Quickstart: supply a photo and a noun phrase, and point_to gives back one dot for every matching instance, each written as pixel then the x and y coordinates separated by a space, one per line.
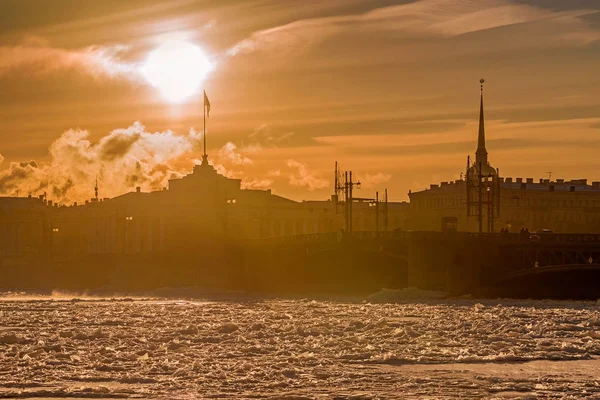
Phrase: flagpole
pixel 204 125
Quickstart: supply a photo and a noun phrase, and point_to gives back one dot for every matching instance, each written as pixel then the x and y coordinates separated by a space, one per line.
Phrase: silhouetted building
pixel 203 207
pixel 24 228
pixel 557 205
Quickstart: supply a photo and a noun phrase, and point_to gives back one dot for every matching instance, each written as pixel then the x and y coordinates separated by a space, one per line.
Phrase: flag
pixel 206 104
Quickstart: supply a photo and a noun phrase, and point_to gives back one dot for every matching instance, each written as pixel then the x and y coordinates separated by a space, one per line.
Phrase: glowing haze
pixel 177 69
pixel 388 88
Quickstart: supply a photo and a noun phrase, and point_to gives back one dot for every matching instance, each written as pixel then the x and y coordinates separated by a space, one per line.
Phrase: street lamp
pixel 128 218
pixel 226 215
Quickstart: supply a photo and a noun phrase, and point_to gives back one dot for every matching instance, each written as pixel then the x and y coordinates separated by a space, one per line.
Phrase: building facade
pixel 201 208
pixel 565 206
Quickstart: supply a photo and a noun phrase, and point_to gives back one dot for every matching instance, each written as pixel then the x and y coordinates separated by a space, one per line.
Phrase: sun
pixel 176 69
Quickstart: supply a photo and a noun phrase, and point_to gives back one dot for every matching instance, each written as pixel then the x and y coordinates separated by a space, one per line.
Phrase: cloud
pixel 229 152
pixel 303 177
pixel 257 184
pixel 265 136
pixel 373 180
pixel 423 18
pixel 122 160
pixel 37 58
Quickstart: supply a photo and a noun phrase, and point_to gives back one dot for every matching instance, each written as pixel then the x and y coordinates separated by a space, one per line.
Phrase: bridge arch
pixel 571 281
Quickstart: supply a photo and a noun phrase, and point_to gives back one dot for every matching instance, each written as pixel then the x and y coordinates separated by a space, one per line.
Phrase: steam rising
pixel 122 160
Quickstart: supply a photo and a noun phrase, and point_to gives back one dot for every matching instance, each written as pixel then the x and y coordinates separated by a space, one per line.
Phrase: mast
pixel 206 109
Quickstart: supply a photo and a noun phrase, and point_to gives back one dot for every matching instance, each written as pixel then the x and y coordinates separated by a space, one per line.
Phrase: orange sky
pixel 387 88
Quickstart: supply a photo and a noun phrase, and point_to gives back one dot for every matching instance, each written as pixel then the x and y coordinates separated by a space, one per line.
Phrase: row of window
pixel 554 202
pixel 450 202
pixel 557 217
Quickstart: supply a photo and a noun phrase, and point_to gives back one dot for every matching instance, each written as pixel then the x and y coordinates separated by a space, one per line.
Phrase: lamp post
pixel 53 233
pixel 229 202
pixel 375 203
pixel 128 219
pixel 351 185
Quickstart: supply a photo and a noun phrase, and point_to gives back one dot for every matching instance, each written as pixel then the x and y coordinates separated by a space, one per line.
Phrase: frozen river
pixel 245 347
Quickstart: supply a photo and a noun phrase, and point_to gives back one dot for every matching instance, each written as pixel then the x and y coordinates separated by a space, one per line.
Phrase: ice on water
pixel 419 346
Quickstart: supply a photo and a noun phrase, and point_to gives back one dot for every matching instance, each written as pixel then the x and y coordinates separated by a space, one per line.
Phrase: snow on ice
pixel 421 346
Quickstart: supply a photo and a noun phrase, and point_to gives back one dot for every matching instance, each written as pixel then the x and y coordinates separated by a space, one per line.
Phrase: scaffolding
pixel 483 196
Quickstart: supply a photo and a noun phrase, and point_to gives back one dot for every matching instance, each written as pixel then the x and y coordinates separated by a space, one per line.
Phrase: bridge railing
pixel 526 237
pixel 330 237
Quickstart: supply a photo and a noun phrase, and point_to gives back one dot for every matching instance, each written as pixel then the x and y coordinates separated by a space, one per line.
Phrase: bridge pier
pixel 451 262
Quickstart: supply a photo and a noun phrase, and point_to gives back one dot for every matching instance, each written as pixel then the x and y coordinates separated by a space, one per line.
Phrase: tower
pixel 482 182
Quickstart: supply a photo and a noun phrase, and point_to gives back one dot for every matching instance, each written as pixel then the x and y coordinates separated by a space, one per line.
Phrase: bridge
pixel 511 264
pixel 329 262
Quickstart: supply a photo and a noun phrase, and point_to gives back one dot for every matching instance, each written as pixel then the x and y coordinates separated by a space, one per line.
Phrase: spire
pixel 481 153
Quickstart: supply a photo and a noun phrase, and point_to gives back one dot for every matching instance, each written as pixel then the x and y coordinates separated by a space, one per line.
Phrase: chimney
pixel 50 203
pixel 560 181
pixel 519 180
pixel 443 183
pixel 529 180
pixel 432 186
pixel 596 185
pixel 508 180
pixel 138 189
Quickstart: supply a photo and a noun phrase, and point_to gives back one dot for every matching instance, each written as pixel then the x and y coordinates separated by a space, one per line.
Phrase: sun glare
pixel 176 69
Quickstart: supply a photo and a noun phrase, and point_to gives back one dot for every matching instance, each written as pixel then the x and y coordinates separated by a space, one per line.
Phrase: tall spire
pixel 481 153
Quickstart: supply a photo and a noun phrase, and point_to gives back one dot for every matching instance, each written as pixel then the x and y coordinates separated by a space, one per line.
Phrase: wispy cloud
pixel 374 180
pixel 229 153
pixel 265 135
pixel 427 18
pixel 37 58
pixel 302 176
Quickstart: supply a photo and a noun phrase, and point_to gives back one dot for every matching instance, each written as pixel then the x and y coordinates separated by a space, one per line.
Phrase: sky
pixel 389 89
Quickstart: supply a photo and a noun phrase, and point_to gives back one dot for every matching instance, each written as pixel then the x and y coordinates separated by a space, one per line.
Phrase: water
pixel 243 347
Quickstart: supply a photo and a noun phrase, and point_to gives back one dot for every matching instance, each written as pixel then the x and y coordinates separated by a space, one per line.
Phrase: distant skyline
pixel 389 89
